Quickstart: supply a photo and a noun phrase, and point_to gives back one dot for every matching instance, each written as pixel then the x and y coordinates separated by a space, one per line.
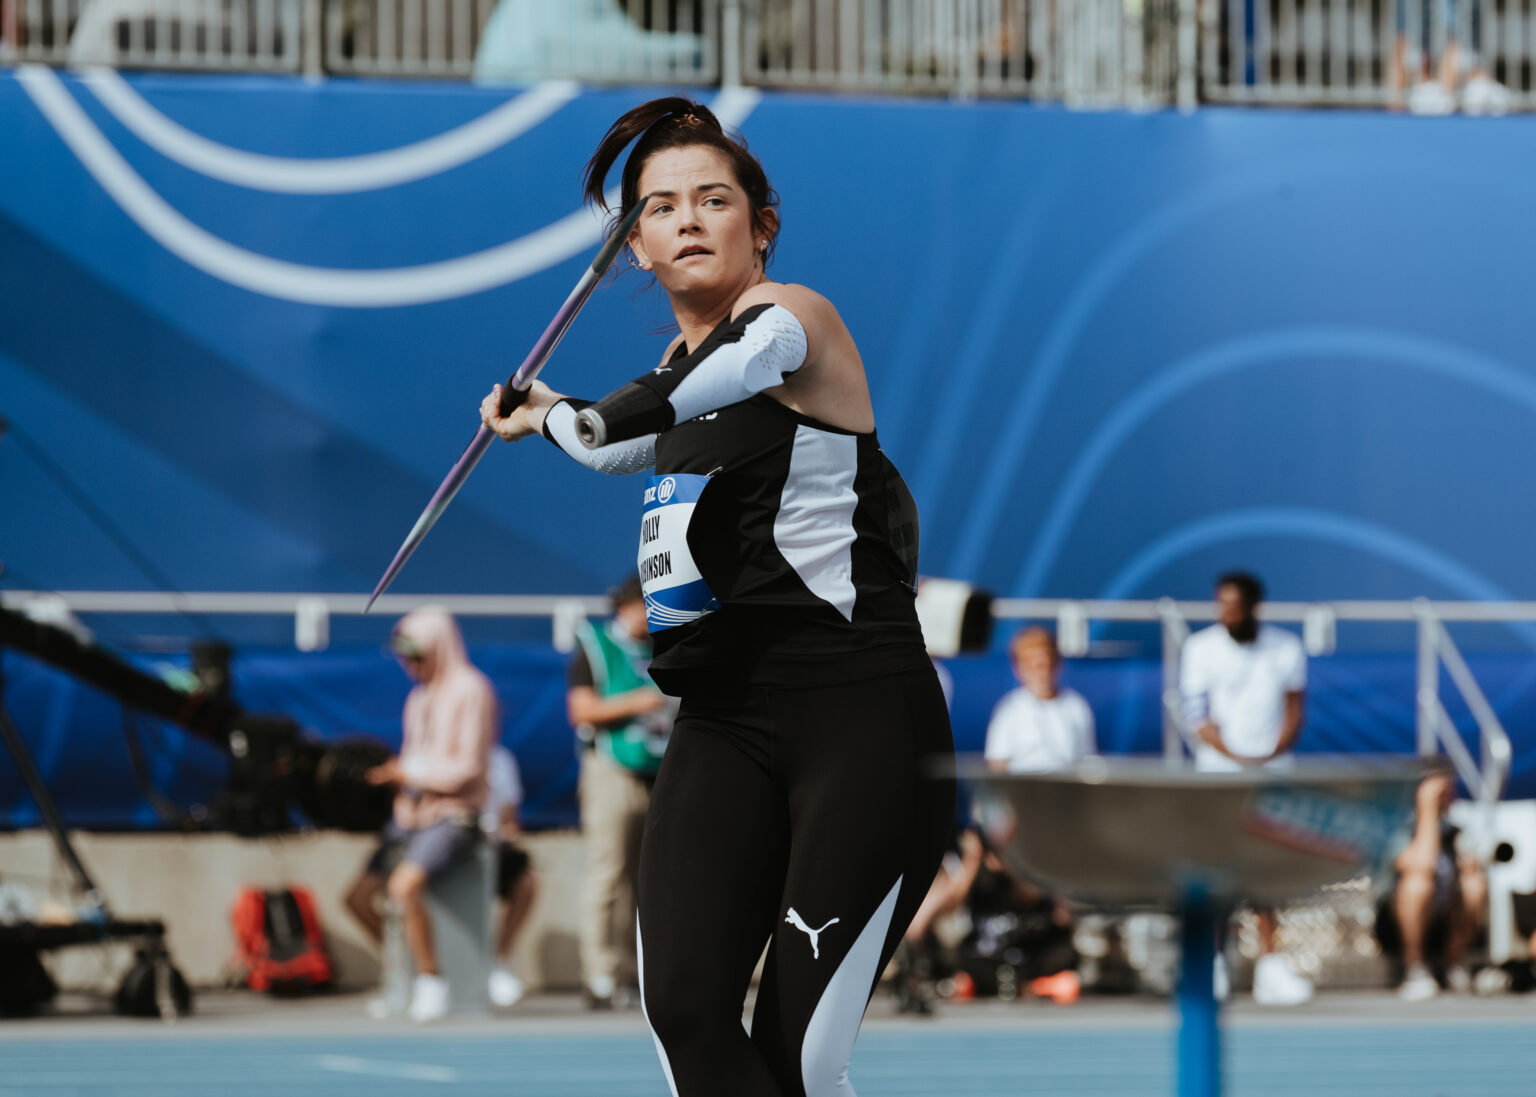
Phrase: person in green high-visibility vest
pixel 623 721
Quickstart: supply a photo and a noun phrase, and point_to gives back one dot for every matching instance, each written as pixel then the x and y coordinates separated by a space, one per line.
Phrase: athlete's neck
pixel 699 312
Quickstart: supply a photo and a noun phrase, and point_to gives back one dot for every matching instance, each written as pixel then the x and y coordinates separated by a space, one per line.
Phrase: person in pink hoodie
pixel 440 774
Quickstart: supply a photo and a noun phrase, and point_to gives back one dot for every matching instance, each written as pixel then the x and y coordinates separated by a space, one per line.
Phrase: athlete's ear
pixel 638 256
pixel 768 225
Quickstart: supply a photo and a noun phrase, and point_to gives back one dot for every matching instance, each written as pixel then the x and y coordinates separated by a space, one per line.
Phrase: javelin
pixel 513 394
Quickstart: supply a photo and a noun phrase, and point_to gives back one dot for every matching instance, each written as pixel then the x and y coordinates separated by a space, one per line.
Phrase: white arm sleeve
pixel 754 353
pixel 618 459
pixel 772 344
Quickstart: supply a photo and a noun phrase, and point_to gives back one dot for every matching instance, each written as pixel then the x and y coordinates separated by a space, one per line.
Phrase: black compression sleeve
pixel 627 412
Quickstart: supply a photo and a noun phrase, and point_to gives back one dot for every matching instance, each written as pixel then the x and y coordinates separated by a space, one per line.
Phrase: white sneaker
pixel 1430 97
pixel 1458 980
pixel 1221 979
pixel 1418 985
pixel 1275 983
pixel 1491 980
pixel 429 999
pixel 505 989
pixel 1485 95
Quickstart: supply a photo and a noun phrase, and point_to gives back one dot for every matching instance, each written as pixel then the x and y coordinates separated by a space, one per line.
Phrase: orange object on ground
pixel 1063 988
pixel 965 987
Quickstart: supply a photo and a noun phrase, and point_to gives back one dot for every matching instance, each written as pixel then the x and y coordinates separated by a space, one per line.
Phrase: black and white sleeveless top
pixel 775 549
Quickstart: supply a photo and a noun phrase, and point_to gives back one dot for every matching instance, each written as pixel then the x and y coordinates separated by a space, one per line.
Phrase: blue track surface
pixel 1412 1060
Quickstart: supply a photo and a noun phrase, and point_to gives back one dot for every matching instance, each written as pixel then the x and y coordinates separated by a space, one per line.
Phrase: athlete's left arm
pixel 771 336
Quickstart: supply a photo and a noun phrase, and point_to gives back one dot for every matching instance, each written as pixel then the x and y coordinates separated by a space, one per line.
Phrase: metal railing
pixel 1436 732
pixel 1084 52
pixel 237 35
pixel 1081 52
pixel 1365 52
pixel 597 41
pixel 1484 776
pixel 312 613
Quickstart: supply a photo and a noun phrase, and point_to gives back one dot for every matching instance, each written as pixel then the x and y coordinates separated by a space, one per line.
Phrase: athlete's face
pixel 696 233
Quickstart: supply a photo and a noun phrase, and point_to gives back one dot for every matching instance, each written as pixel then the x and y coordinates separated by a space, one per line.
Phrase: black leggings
pixel 806 815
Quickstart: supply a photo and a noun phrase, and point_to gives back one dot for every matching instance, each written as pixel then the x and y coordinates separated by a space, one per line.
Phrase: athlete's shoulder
pixel 808 306
pixel 666 355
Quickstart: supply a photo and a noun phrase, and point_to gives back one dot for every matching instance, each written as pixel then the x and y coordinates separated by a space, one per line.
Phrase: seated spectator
pixel 1019 938
pixel 1039 726
pixel 1434 88
pixel 515 882
pixel 526 39
pixel 450 723
pixel 1438 899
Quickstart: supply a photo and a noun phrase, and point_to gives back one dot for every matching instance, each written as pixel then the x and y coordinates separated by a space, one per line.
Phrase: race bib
pixel 675 592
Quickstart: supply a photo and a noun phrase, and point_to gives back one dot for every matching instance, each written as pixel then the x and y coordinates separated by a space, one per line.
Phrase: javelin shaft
pixel 513 394
pixel 515 391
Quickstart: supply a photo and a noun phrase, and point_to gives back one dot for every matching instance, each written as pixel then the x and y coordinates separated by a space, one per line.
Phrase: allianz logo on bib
pixel 661 491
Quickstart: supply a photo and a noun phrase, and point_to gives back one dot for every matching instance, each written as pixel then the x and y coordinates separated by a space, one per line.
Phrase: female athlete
pixel 778 546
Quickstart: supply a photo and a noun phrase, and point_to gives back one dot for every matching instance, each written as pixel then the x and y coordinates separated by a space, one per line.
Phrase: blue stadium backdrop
pixel 1114 353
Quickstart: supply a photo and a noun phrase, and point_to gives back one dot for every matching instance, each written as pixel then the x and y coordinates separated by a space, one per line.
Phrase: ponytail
pixel 670 123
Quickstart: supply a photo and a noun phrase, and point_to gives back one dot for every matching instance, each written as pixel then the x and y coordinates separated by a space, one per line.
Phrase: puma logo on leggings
pixel 795 920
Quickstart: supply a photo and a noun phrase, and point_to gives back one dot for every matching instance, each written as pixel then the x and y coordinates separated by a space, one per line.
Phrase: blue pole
pixel 1199 1012
pixel 1250 47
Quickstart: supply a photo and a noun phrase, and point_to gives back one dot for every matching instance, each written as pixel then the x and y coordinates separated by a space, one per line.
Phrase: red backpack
pixel 279 941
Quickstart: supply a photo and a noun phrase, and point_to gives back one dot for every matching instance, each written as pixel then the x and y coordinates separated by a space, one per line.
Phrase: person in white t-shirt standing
pixel 1039 726
pixel 1244 687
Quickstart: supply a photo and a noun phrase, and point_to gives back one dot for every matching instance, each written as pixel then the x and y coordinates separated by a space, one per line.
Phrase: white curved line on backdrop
pixel 311 285
pixel 339 175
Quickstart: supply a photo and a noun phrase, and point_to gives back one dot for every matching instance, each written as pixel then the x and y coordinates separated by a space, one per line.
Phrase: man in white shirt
pixel 1038 726
pixel 1244 687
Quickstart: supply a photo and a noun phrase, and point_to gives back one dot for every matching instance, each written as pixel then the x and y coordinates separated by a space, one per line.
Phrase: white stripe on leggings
pixel 828 1044
pixel 666 1066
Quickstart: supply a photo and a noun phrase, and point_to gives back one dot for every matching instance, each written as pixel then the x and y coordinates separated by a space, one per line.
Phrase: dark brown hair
pixel 674 123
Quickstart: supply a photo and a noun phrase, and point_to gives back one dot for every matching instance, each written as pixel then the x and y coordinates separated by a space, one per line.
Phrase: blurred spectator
pixel 529 38
pixel 1438 898
pixel 1244 688
pixel 1038 726
pixel 450 723
pixel 1435 93
pixel 515 881
pixel 1017 938
pixel 623 721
